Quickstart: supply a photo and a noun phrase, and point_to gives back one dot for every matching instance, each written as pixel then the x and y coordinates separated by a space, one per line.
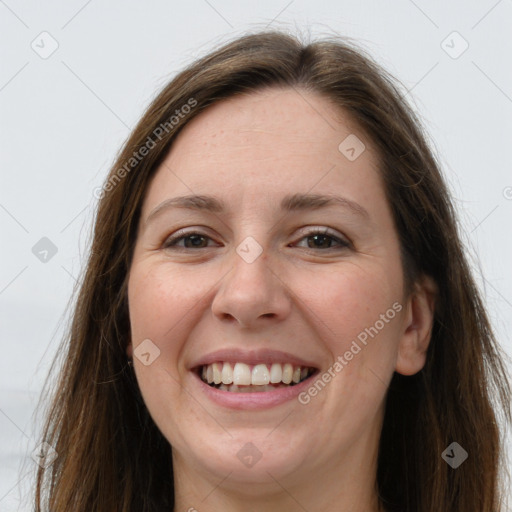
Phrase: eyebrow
pixel 290 203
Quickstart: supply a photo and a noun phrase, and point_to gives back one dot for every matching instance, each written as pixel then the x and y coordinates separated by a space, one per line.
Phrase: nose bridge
pixel 251 290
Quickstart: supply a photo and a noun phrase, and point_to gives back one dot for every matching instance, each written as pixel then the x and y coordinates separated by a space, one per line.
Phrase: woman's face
pixel 244 280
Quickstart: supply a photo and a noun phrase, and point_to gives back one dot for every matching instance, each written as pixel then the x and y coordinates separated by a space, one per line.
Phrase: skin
pixel 298 296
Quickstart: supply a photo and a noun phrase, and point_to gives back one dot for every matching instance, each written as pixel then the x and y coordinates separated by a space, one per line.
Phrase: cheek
pixel 357 311
pixel 159 301
pixel 357 316
pixel 350 300
pixel 162 307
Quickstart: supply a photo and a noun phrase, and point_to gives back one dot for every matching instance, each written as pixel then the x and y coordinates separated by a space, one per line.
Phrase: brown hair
pixel 111 455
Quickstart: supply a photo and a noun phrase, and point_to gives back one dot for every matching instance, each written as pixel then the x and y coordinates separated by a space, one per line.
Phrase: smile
pixel 244 378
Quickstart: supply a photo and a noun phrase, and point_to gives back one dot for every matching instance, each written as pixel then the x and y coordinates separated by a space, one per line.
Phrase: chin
pixel 252 458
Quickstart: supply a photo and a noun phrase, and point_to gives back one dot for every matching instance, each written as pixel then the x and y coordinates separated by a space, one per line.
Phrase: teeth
pixel 228 377
pixel 276 372
pixel 241 374
pixel 287 373
pixel 217 378
pixel 227 374
pixel 260 375
pixel 251 389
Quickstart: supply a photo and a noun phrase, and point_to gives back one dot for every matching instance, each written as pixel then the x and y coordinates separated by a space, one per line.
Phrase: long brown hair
pixel 111 455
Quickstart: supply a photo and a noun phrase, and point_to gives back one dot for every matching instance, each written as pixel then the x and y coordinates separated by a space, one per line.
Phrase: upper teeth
pixel 242 374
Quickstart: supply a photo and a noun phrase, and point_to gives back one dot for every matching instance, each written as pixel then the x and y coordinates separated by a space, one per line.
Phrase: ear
pixel 129 350
pixel 417 331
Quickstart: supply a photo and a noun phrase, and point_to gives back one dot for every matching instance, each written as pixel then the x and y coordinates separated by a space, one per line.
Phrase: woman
pixel 277 290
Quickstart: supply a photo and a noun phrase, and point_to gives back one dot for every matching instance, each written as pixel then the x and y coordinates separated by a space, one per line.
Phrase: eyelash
pixel 181 235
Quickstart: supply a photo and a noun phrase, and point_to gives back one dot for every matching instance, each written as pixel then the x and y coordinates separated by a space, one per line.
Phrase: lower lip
pixel 255 400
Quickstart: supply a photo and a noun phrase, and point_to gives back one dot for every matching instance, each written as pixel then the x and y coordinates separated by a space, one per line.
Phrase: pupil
pixel 322 238
pixel 195 240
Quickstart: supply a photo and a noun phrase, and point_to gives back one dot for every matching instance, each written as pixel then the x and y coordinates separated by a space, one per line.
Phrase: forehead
pixel 267 143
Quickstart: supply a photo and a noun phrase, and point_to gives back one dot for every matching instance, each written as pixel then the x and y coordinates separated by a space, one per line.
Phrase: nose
pixel 252 294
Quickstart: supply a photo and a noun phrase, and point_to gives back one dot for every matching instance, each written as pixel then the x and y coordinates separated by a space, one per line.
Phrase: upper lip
pixel 251 357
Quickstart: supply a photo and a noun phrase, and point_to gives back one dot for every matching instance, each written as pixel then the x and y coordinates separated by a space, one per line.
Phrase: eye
pixel 321 238
pixel 192 240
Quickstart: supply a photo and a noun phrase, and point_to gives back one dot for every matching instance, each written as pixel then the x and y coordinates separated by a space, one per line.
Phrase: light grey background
pixel 64 117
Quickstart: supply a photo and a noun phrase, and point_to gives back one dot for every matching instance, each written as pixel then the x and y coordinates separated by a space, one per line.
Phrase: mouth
pixel 238 377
